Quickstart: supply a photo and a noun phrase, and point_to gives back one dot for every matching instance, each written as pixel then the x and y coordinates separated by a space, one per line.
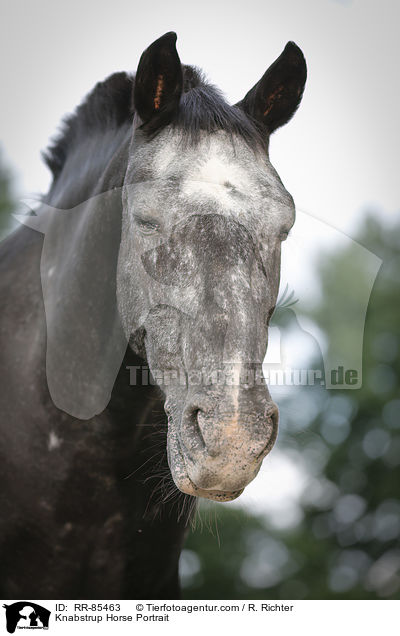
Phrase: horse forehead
pixel 214 157
pixel 221 169
pixel 217 160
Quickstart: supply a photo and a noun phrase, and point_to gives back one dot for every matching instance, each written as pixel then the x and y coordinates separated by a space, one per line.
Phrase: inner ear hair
pixel 159 92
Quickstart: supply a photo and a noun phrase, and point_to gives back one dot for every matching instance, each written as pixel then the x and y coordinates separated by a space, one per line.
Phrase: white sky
pixel 337 156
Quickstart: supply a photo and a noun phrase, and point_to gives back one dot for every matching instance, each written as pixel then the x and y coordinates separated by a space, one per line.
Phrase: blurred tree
pixel 346 545
pixel 7 202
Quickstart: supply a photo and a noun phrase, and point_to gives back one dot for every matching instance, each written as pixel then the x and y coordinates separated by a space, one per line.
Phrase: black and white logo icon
pixel 26 615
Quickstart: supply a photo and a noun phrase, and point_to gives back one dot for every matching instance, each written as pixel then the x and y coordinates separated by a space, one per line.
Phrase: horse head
pixel 204 215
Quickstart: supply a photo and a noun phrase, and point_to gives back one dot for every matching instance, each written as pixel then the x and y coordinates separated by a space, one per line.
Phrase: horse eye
pixel 147 227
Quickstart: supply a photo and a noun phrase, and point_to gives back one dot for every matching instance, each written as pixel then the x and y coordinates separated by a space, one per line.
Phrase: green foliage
pixel 6 199
pixel 346 543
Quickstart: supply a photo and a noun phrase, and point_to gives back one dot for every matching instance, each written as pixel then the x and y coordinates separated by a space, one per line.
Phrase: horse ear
pixel 158 82
pixel 276 97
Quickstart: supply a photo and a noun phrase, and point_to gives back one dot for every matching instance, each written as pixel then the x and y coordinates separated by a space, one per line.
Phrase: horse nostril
pixel 274 416
pixel 192 426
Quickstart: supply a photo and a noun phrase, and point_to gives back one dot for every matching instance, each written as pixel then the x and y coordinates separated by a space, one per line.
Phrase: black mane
pixel 109 106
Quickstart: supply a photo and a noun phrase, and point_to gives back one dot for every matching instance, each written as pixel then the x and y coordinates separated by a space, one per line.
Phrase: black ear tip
pixel 169 37
pixel 294 52
pixel 168 41
pixel 291 45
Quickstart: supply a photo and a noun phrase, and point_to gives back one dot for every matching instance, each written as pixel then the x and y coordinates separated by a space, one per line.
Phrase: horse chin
pixel 190 488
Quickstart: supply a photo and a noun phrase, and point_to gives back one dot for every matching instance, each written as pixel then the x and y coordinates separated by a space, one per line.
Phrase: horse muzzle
pixel 215 451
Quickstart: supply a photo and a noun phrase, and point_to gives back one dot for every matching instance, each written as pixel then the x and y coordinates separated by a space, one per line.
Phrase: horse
pixel 135 307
